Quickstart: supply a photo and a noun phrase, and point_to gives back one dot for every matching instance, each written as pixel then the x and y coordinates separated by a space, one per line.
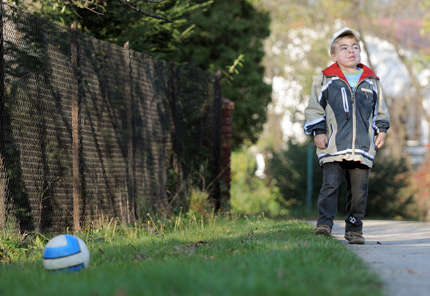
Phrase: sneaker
pixel 355 237
pixel 323 229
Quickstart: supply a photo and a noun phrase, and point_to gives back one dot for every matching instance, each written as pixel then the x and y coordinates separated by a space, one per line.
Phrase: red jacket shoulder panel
pixel 334 70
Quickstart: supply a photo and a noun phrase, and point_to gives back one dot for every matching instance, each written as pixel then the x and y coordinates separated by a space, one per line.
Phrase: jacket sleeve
pixel 315 120
pixel 381 117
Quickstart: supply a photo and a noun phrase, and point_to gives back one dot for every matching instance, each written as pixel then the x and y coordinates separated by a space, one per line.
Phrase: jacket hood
pixel 334 70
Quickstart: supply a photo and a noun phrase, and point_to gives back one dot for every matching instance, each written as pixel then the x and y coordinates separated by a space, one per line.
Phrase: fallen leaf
pixel 101 250
pixel 208 258
pixel 410 271
pixel 189 250
pixel 140 256
pixel 197 244
pixel 120 292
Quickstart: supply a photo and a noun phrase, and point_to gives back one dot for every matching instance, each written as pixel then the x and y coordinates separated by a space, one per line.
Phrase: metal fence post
pixel 3 179
pixel 226 148
pixel 75 132
pixel 217 140
pixel 310 174
pixel 131 208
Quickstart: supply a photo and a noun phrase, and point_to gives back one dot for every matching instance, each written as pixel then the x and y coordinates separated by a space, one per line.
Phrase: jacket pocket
pixel 373 138
pixel 345 102
pixel 367 91
pixel 330 136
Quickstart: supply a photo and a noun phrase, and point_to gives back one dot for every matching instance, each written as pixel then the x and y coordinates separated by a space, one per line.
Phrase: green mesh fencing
pixel 93 130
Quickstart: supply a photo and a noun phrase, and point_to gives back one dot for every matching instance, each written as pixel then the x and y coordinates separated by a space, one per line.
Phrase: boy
pixel 348 118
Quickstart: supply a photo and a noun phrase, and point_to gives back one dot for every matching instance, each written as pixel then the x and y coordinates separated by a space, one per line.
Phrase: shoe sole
pixel 323 232
pixel 355 241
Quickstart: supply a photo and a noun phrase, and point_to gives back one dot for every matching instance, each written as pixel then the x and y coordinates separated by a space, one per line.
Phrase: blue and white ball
pixel 66 252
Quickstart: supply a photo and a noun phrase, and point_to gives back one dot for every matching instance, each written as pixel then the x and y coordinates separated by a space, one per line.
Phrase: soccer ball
pixel 66 252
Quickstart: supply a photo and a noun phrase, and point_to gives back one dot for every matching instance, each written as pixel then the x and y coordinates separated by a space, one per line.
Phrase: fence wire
pixel 90 129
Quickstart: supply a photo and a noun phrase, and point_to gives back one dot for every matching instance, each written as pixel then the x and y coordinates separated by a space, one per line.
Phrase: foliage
pixel 233 32
pixel 200 203
pixel 183 256
pixel 421 184
pixel 389 188
pixel 425 31
pixel 250 194
pixel 289 169
pixel 212 35
pixel 390 194
pixel 119 24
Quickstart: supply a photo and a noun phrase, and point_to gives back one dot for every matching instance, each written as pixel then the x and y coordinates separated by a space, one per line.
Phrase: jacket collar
pixel 334 70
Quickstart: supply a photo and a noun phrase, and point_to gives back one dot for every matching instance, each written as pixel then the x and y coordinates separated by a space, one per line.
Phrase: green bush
pixel 389 185
pixel 250 194
pixel 289 169
pixel 389 188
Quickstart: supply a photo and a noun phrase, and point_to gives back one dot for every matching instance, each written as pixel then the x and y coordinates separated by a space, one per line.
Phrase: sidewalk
pixel 396 250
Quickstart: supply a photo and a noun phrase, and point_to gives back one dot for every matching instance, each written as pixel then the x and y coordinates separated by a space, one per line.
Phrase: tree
pixel 426 26
pixel 222 34
pixel 210 35
pixel 118 23
pixel 99 6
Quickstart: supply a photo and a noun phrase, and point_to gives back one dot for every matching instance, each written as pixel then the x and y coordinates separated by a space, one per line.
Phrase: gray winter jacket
pixel 350 119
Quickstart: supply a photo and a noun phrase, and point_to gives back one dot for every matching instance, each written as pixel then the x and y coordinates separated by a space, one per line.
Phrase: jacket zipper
pixel 345 102
pixel 354 119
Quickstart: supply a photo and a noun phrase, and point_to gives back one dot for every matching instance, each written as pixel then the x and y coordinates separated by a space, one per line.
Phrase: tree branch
pixel 131 6
pixel 80 5
pixel 150 1
pixel 97 7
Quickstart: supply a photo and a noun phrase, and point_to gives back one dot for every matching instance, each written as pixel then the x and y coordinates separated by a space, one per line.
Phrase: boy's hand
pixel 321 141
pixel 380 140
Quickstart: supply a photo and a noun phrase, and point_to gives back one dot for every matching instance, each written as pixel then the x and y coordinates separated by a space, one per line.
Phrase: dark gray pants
pixel 357 178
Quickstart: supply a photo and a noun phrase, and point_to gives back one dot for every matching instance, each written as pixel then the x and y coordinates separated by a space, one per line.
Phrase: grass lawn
pixel 190 256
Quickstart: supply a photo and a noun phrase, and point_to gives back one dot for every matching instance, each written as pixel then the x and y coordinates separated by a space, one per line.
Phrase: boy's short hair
pixel 342 33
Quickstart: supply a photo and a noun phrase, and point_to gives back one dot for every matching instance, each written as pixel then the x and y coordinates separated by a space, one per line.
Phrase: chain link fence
pixel 90 129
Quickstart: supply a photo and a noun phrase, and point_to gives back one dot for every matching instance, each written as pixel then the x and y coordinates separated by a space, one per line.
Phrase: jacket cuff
pixel 318 132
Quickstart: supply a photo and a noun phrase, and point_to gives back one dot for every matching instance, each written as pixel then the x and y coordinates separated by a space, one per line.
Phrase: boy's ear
pixel 333 57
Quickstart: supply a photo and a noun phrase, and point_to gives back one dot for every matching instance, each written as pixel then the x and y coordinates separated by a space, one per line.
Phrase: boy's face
pixel 346 53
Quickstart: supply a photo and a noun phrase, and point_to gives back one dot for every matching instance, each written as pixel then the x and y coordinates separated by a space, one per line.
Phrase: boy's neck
pixel 350 70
